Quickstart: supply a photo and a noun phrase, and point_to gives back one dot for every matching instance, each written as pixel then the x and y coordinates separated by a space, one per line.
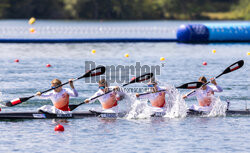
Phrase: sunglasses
pixel 101 87
pixel 54 87
pixel 151 85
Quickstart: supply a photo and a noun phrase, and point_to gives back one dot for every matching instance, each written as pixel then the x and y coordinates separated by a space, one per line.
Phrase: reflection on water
pixel 60 121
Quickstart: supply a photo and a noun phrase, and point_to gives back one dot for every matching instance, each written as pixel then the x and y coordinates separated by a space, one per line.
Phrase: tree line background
pixel 126 9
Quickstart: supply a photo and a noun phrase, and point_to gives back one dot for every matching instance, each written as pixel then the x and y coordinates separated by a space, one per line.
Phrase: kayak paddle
pixel 94 72
pixel 138 79
pixel 231 68
pixel 190 85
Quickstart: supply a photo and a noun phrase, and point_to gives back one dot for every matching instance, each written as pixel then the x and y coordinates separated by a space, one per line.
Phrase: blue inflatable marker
pixel 203 33
pixel 193 33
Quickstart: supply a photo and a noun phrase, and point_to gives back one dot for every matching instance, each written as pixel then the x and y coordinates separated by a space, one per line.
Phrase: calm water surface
pixel 183 64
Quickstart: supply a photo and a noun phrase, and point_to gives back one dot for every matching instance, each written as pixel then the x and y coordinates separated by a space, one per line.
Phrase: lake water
pixel 170 134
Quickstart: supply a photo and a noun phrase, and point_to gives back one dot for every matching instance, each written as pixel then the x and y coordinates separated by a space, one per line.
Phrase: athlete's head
pixel 202 79
pixel 102 84
pixel 55 83
pixel 152 83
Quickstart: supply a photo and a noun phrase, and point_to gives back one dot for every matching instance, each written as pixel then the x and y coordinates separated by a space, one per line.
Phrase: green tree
pixel 123 9
pixel 37 8
pixel 4 4
pixel 242 9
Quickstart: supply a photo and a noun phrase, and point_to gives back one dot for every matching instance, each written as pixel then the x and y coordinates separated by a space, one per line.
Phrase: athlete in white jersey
pixel 109 100
pixel 157 98
pixel 59 97
pixel 204 95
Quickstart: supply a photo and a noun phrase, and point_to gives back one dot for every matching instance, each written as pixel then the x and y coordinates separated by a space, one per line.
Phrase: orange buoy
pixel 59 127
pixel 204 63
pixel 48 65
pixel 32 30
pixel 16 60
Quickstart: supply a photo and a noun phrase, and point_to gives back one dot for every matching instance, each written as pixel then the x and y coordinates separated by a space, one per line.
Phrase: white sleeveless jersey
pixel 60 99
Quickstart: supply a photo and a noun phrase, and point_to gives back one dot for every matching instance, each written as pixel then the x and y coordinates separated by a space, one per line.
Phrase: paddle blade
pixel 191 85
pixel 72 107
pixel 94 72
pixel 234 67
pixel 151 92
pixel 141 78
pixel 17 101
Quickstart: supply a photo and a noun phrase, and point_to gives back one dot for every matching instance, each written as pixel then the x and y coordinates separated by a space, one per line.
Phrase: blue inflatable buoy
pixel 192 33
pixel 199 33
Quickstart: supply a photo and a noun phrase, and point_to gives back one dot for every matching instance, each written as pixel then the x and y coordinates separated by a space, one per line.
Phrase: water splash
pixel 125 104
pixel 218 107
pixel 175 106
pixel 138 109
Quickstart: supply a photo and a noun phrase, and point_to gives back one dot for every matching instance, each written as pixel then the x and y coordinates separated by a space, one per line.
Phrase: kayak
pixel 202 113
pixel 90 113
pixel 228 112
pixel 44 115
